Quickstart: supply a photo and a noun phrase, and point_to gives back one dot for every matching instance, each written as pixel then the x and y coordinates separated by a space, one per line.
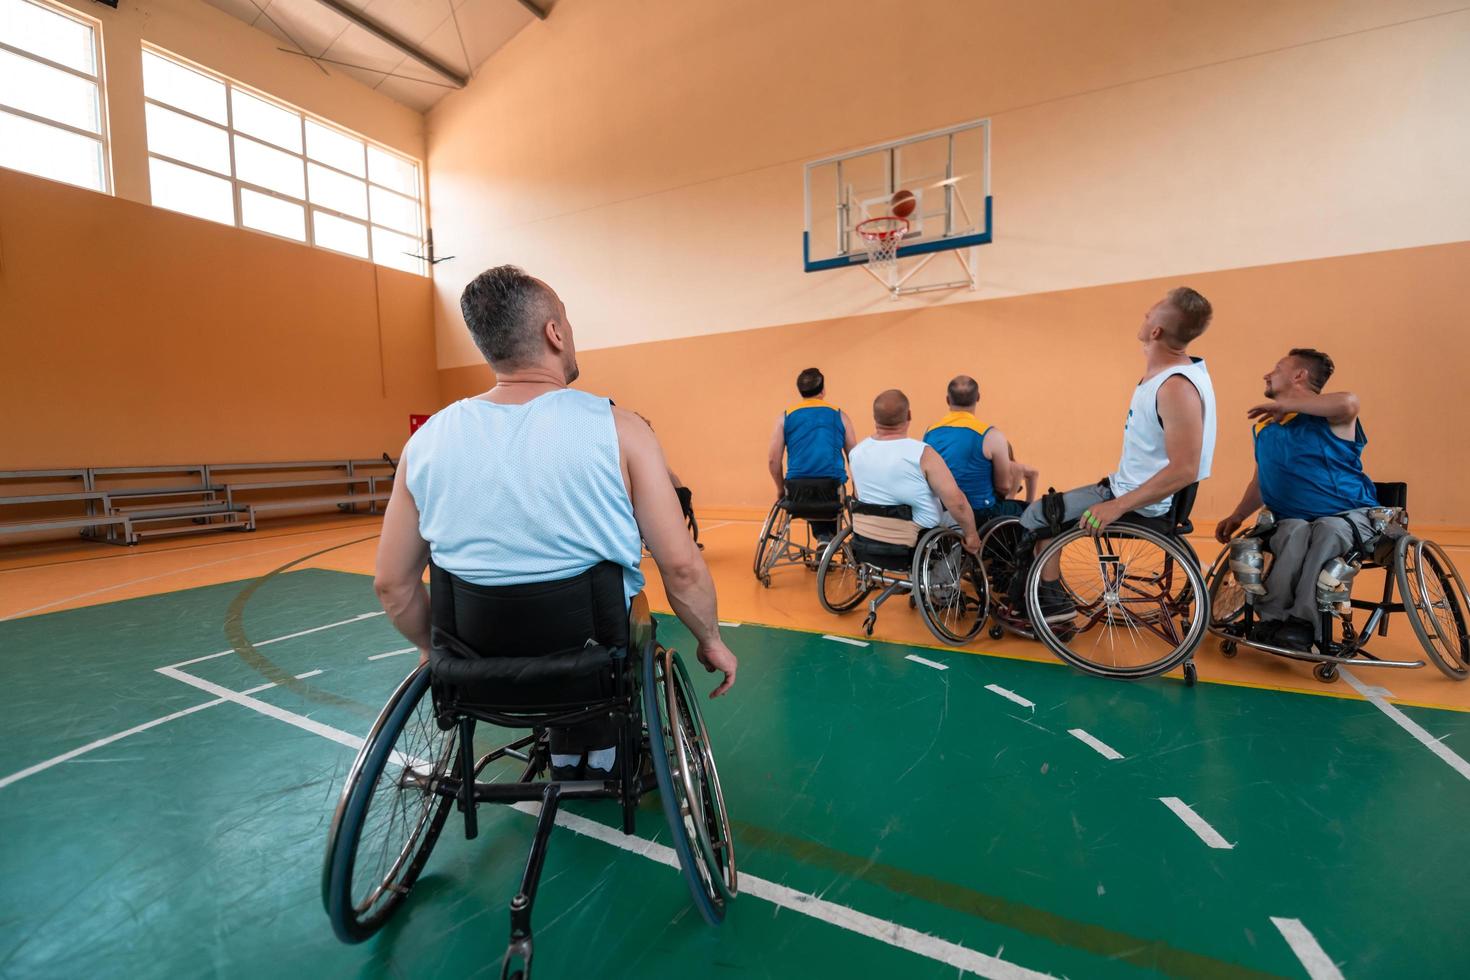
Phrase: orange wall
pixel 130 334
pixel 1055 371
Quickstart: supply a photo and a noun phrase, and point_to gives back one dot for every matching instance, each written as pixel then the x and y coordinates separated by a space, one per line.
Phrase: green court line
pixel 1100 940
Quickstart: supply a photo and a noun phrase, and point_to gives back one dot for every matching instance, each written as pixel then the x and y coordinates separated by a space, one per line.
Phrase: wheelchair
pixel 1141 601
pixel 881 548
pixel 524 657
pixel 805 500
pixel 1432 596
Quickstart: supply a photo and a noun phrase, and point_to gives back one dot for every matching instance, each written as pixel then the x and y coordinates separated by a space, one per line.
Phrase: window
pixel 220 151
pixel 52 114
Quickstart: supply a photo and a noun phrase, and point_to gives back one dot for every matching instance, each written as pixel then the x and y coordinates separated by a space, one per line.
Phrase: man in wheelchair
pixel 1309 476
pixel 814 437
pixel 1168 444
pixel 978 455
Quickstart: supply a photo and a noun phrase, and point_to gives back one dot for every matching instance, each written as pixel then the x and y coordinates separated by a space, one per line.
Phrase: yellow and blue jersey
pixel 1306 471
pixel 959 439
pixel 815 437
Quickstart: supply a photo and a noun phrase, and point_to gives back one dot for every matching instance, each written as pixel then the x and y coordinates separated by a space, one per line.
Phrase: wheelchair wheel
pixel 1003 556
pixel 1141 603
pixel 840 582
pixel 1436 604
pixel 390 812
pixel 688 785
pixel 952 594
pixel 1227 598
pixel 764 543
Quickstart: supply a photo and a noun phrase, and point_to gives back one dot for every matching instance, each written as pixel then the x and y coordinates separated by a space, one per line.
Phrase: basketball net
pixel 881 237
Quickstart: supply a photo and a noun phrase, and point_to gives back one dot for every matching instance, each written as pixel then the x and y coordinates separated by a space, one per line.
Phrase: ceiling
pixel 459 38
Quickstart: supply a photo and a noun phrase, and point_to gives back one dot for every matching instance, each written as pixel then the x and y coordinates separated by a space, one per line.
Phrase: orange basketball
pixel 903 204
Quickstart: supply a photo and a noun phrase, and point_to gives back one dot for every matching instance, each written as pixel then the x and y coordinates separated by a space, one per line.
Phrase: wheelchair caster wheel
pixel 1228 648
pixel 869 623
pixel 1191 673
pixel 766 581
pixel 1326 673
pixel 997 631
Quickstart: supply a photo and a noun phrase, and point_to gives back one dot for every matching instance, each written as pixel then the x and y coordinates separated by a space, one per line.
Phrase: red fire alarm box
pixel 414 421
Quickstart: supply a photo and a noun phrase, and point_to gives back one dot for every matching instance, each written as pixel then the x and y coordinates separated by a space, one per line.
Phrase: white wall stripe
pixel 844 639
pixel 1196 823
pixel 1319 965
pixel 1011 696
pixel 927 663
pixel 1103 749
pixel 1447 754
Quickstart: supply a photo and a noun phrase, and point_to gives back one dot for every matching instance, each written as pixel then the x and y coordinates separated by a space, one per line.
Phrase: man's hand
pixel 1273 410
pixel 1226 529
pixel 972 543
pixel 716 656
pixel 1097 517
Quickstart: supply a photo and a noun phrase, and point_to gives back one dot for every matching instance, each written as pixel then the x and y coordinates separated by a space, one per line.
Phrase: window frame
pixel 103 134
pixel 305 202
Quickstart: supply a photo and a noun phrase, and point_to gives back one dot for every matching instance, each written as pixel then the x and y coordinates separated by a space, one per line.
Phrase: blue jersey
pixel 1307 471
pixel 815 437
pixel 959 439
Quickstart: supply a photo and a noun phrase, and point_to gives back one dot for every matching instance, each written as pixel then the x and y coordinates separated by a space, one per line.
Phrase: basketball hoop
pixel 880 240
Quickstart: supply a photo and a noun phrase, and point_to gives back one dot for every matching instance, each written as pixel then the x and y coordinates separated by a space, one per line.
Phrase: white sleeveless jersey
pixel 1143 434
pixel 888 471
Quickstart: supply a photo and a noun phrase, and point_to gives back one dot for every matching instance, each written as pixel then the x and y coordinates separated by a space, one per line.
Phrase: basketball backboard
pixel 948 171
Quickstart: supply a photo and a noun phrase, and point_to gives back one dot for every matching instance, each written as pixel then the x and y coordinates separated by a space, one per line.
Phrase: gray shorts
pixel 1074 502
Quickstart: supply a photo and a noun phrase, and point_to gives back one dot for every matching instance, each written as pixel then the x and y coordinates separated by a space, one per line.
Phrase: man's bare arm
pixel 1250 502
pixel 774 455
pixel 402 557
pixel 1004 474
pixel 685 576
pixel 849 434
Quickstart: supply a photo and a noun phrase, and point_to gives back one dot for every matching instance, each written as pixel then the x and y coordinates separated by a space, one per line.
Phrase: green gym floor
pixel 900 812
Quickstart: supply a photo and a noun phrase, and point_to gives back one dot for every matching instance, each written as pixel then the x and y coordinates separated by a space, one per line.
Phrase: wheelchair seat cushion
pixel 812 498
pixel 530 647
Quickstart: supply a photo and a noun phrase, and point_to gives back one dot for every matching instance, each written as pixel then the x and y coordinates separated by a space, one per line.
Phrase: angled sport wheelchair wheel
pixel 1141 603
pixel 1227 598
pixel 1004 554
pixel 688 784
pixel 949 586
pixel 763 545
pixel 390 813
pixel 841 585
pixel 1436 603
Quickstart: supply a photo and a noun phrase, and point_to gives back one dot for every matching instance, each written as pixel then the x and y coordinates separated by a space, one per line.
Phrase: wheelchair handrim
pixel 1115 611
pixel 840 542
pixel 1448 653
pixel 764 543
pixel 923 575
pixel 711 808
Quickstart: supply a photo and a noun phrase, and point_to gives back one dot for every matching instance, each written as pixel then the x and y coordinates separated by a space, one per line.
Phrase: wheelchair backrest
pixel 886 523
pixel 1392 494
pixel 812 498
pixel 535 619
pixel 1180 509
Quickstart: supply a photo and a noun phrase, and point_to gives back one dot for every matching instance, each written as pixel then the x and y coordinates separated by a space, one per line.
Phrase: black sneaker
pixel 1056 605
pixel 1264 631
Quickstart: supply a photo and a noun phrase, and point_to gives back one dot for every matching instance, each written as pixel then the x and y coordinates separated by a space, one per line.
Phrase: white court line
pixel 844 639
pixel 1319 965
pixel 146 578
pixel 711 527
pixel 729 626
pixel 309 673
pixel 1196 823
pixel 1447 754
pixel 83 750
pixel 927 663
pixel 1103 749
pixel 1011 696
pixel 277 639
pixel 394 653
pixel 901 937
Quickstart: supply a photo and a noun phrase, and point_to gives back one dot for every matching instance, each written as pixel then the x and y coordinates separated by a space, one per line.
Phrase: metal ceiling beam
pixel 393 40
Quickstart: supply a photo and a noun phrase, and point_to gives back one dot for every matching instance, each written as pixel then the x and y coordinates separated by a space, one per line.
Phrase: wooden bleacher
pixel 127 504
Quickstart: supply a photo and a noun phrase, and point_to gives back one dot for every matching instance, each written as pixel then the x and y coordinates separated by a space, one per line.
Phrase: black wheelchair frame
pixel 805 500
pixel 656 715
pixel 909 570
pixel 1234 616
